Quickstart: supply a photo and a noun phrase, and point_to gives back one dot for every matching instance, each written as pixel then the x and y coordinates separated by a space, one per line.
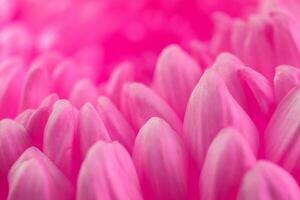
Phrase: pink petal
pixel 286 78
pixel 24 117
pixel 282 134
pixel 211 108
pixel 161 161
pixel 11 78
pixel 267 181
pixel 59 137
pixel 109 174
pixel 259 94
pixel 121 75
pixel 65 76
pixel 34 177
pixel 90 128
pixel 249 88
pixel 287 51
pixel 219 181
pixel 140 103
pixel 258 50
pixel 13 141
pixel 37 122
pixel 83 91
pixel 37 86
pixel 116 124
pixel 175 77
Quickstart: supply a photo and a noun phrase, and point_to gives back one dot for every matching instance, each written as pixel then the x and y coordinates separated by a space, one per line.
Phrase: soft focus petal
pixel 219 181
pixel 116 124
pixel 267 181
pixel 35 177
pixel 285 79
pixel 83 91
pixel 176 75
pixel 121 75
pixel 109 174
pixel 11 79
pixel 211 108
pixel 140 103
pixel 161 161
pixel 90 128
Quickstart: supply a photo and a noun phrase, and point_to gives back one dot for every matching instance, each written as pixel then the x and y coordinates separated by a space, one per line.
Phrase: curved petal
pixel 60 136
pixel 161 161
pixel 282 135
pixel 211 108
pixel 33 177
pixel 285 79
pixel 175 76
pixel 116 124
pixel 90 128
pixel 219 181
pixel 108 173
pixel 140 103
pixel 266 181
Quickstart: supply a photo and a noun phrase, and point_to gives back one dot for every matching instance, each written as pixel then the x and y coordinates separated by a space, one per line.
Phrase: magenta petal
pixel 219 181
pixel 211 108
pixel 267 181
pixel 90 128
pixel 116 124
pixel 35 177
pixel 176 75
pixel 140 103
pixel 108 173
pixel 60 135
pixel 161 161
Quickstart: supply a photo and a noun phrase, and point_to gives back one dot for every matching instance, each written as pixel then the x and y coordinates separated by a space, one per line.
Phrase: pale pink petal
pixel 60 136
pixel 175 76
pixel 285 79
pixel 34 177
pixel 121 75
pixel 267 181
pixel 140 103
pixel 109 174
pixel 161 161
pixel 116 124
pixel 83 91
pixel 211 108
pixel 218 180
pixel 90 128
pixel 282 141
